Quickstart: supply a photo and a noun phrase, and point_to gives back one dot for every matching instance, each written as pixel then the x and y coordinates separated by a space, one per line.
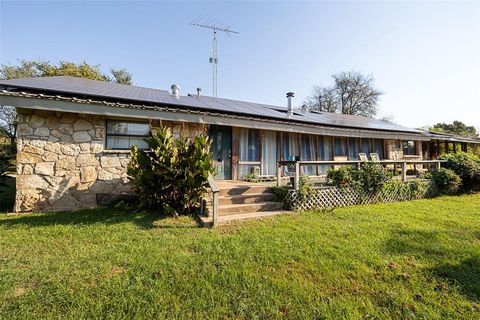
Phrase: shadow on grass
pixel 428 245
pixel 107 216
pixel 415 242
pixel 464 275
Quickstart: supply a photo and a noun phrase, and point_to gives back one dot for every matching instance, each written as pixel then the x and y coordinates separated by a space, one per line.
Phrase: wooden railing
pixel 215 191
pixel 358 163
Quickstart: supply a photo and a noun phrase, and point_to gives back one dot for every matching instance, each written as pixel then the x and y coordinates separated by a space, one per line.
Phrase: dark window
pixel 340 147
pixel 122 135
pixel 409 148
pixel 365 146
pixel 352 149
pixel 378 144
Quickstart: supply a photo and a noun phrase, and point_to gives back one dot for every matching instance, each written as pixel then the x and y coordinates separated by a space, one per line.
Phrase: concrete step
pixel 248 208
pixel 236 190
pixel 222 220
pixel 246 198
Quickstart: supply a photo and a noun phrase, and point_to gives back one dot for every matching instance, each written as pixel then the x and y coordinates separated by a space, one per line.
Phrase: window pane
pixel 352 149
pixel 379 147
pixel 116 142
pixel 408 147
pixel 365 146
pixel 249 145
pixel 139 142
pixel 138 129
pixel 340 147
pixel 117 127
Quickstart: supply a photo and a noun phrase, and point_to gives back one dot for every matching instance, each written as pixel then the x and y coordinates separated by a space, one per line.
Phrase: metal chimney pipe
pixel 175 90
pixel 199 91
pixel 289 103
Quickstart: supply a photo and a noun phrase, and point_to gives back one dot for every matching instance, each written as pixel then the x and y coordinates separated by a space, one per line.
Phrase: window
pixel 123 135
pixel 307 152
pixel 289 146
pixel 352 149
pixel 324 152
pixel 249 145
pixel 378 147
pixel 408 148
pixel 340 147
pixel 365 146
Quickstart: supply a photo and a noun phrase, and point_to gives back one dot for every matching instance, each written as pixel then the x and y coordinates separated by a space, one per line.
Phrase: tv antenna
pixel 216 27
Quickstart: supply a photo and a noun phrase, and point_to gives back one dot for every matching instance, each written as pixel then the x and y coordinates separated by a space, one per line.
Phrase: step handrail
pixel 215 190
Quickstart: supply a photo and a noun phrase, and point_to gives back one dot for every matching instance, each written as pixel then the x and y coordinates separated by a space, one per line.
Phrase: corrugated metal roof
pixel 109 90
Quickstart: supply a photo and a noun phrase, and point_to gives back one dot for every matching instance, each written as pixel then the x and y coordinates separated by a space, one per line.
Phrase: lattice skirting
pixel 332 197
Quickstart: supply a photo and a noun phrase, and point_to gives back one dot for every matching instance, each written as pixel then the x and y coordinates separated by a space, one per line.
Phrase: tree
pixel 322 99
pixel 121 76
pixel 39 68
pixel 351 93
pixel 8 125
pixel 457 128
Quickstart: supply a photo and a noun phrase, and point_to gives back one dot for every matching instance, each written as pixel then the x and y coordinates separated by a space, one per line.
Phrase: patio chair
pixel 363 157
pixel 374 157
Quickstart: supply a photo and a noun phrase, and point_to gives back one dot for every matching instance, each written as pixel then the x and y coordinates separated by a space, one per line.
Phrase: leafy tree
pixel 457 128
pixel 351 93
pixel 8 125
pixel 39 68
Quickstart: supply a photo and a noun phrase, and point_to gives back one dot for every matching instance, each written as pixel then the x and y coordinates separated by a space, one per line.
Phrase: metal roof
pixel 119 92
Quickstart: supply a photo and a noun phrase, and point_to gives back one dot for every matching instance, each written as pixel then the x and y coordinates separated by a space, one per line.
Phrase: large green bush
pixel 447 181
pixel 171 175
pixel 370 177
pixel 467 166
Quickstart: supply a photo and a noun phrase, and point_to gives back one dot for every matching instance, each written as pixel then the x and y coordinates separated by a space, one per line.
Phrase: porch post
pixel 404 171
pixel 297 175
pixel 279 174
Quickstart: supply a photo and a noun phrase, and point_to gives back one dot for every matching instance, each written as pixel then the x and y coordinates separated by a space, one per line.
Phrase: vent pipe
pixel 199 91
pixel 289 103
pixel 175 90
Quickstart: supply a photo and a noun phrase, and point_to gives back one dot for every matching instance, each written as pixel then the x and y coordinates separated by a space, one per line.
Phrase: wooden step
pixel 246 198
pixel 222 220
pixel 248 208
pixel 236 190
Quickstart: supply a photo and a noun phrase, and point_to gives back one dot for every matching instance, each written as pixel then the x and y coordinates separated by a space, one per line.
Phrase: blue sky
pixel 425 56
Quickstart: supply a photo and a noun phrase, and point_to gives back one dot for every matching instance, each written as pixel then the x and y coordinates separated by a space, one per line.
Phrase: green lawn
pixel 418 259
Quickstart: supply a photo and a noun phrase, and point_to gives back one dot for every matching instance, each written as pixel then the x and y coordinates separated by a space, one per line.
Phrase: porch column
pixel 235 152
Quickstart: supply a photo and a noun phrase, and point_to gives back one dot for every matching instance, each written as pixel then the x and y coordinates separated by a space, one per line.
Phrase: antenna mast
pixel 215 26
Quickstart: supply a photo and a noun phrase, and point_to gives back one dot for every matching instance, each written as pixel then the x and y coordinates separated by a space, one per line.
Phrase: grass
pixel 418 259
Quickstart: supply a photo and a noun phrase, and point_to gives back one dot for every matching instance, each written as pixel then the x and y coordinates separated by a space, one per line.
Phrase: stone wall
pixel 62 163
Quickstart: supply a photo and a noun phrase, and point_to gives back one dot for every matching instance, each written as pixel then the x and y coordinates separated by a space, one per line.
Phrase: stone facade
pixel 62 163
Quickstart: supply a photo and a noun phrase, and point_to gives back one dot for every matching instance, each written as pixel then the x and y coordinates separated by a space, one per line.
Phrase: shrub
pixel 467 166
pixel 371 177
pixel 447 181
pixel 171 175
pixel 340 177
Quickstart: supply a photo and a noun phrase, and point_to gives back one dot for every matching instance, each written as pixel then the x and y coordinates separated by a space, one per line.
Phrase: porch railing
pixel 358 163
pixel 215 192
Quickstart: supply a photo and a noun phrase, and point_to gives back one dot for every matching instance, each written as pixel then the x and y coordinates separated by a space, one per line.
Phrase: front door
pixel 221 138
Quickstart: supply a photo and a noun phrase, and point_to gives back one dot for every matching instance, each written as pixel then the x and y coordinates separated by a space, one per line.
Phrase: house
pixel 74 137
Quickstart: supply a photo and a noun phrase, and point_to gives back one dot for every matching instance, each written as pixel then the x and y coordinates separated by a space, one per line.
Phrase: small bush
pixel 340 177
pixel 447 181
pixel 371 177
pixel 467 166
pixel 171 175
